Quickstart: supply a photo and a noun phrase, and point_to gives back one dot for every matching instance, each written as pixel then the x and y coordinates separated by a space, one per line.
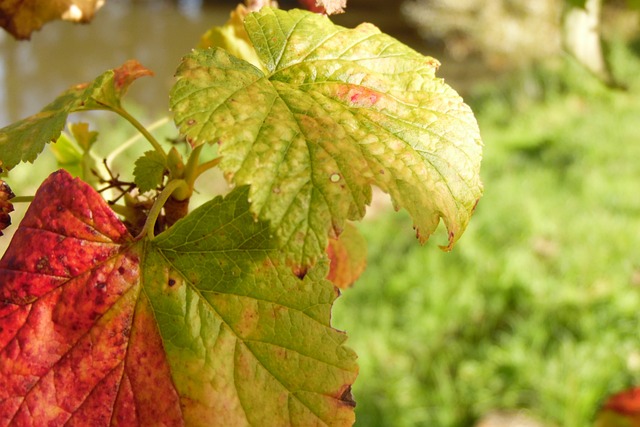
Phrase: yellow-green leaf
pixel 336 111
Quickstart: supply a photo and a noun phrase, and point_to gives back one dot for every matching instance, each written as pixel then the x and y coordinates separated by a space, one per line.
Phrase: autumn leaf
pixel 336 111
pixel 21 18
pixel 202 326
pixel 5 205
pixel 330 7
pixel 22 141
pixel 348 256
pixel 621 410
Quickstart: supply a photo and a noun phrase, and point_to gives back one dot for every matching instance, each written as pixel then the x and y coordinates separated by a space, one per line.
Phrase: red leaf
pixel 70 308
pixel 626 402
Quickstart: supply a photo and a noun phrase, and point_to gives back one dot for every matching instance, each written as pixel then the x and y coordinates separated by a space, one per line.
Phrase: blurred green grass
pixel 536 309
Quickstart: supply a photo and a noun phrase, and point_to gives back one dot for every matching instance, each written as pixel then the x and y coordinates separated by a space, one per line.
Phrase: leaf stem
pixel 22 199
pixel 149 225
pixel 207 165
pixel 154 142
pixel 129 142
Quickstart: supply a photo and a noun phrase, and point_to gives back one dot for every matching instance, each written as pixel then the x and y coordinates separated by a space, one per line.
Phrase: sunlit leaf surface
pixel 202 326
pixel 336 111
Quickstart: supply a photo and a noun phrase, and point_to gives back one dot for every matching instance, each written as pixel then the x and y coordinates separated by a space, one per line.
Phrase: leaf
pixel 330 7
pixel 68 155
pixel 22 141
pixel 348 255
pixel 621 410
pixel 84 137
pixel 202 326
pixel 6 207
pixel 232 37
pixel 625 402
pixel 338 110
pixel 21 18
pixel 149 171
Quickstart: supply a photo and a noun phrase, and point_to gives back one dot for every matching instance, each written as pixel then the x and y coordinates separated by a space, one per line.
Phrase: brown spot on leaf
pixel 171 282
pixel 301 271
pixel 346 398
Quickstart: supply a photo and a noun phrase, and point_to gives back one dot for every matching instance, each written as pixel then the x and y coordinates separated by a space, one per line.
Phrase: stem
pixel 156 145
pixel 190 173
pixel 129 142
pixel 22 199
pixel 207 165
pixel 149 225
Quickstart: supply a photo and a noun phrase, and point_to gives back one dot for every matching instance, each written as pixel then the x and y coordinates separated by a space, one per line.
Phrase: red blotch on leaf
pixel 358 96
pixel 71 316
pixel 348 256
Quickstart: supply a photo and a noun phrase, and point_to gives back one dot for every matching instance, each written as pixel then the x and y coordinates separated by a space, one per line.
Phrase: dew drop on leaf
pixel 335 177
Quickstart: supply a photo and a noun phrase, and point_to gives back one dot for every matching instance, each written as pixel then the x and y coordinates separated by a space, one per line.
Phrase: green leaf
pixel 22 141
pixel 84 137
pixel 68 155
pixel 202 326
pixel 338 110
pixel 149 171
pixel 278 361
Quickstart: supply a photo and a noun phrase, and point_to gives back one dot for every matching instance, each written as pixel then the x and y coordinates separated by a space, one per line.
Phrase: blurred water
pixel 156 33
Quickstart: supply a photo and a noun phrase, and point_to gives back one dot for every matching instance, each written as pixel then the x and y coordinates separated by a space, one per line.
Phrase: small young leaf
pixel 21 18
pixel 84 137
pixel 22 141
pixel 68 155
pixel 338 110
pixel 149 171
pixel 202 326
pixel 348 255
pixel 6 207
